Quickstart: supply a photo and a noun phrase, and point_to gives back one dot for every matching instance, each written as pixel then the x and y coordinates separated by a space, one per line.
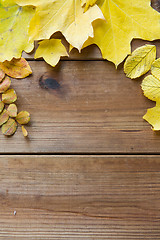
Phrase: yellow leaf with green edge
pixel 153 117
pixel 140 61
pixel 5 84
pixel 155 68
pixel 1 106
pixel 51 50
pixel 87 3
pixel 14 25
pixel 9 96
pixel 151 88
pixel 12 110
pixel 3 117
pixel 24 131
pixel 2 75
pixel 23 117
pixel 16 68
pixel 66 16
pixel 125 20
pixel 9 128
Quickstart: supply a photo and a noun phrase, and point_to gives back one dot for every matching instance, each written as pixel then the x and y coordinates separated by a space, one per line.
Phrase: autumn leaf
pixel 3 117
pixel 24 131
pixel 5 84
pixel 151 89
pixel 125 20
pixel 9 127
pixel 23 117
pixel 16 68
pixel 155 68
pixel 9 96
pixel 51 50
pixel 2 75
pixel 12 110
pixel 153 117
pixel 66 16
pixel 140 61
pixel 1 106
pixel 14 25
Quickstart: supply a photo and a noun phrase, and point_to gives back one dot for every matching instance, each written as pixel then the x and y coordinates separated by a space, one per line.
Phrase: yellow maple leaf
pixel 125 20
pixel 66 16
pixel 151 88
pixel 14 25
pixel 140 61
pixel 51 50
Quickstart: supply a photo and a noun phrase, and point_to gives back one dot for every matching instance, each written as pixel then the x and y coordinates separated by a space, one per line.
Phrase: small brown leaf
pixel 9 127
pixel 16 68
pixel 4 117
pixel 5 84
pixel 1 106
pixel 24 131
pixel 9 96
pixel 2 75
pixel 23 117
pixel 12 110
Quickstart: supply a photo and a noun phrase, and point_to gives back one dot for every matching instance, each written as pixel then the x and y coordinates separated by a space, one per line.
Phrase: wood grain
pixel 80 197
pixel 85 106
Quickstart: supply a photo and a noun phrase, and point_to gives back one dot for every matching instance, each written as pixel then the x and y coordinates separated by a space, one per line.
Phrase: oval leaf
pixel 151 88
pixel 2 75
pixel 5 84
pixel 153 117
pixel 155 68
pixel 9 127
pixel 12 110
pixel 23 117
pixel 24 131
pixel 1 106
pixel 16 68
pixel 140 61
pixel 4 117
pixel 9 96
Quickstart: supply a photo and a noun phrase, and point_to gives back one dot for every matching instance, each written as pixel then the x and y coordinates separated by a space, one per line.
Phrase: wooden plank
pixel 93 108
pixel 80 197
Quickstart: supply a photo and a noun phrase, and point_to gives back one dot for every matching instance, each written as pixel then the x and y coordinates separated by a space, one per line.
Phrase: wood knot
pixel 49 83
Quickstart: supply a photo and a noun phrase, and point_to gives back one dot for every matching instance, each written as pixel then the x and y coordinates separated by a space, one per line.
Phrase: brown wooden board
pixel 82 106
pixel 80 197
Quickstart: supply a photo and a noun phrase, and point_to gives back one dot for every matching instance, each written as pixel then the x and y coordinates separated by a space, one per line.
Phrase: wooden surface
pixel 80 197
pixel 90 168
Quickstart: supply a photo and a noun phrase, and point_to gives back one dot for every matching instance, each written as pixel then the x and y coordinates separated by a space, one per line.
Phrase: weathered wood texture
pixel 92 108
pixel 87 197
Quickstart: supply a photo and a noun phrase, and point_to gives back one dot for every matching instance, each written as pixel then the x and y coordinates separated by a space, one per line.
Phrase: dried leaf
pixel 151 88
pixel 155 68
pixel 24 131
pixel 12 110
pixel 14 25
pixel 5 84
pixel 9 127
pixel 66 16
pixel 23 117
pixel 140 61
pixel 3 117
pixel 17 68
pixel 1 106
pixel 51 50
pixel 2 75
pixel 125 20
pixel 9 96
pixel 153 117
